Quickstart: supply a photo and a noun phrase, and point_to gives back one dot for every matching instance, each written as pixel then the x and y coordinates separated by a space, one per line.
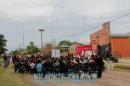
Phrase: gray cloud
pixel 70 16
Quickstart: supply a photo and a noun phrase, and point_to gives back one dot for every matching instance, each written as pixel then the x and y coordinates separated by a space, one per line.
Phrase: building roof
pixel 120 35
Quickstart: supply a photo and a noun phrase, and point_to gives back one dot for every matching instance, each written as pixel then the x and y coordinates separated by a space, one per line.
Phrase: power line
pixel 84 31
pixel 119 17
pixel 23 36
pixel 95 27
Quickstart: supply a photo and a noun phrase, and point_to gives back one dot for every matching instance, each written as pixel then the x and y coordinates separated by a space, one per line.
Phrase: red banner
pixel 83 48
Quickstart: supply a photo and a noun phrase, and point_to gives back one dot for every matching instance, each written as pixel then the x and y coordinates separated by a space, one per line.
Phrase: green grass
pixel 0 66
pixel 9 78
pixel 121 67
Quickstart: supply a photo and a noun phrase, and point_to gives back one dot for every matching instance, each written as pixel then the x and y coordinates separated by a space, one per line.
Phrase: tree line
pixel 31 48
pixel 47 49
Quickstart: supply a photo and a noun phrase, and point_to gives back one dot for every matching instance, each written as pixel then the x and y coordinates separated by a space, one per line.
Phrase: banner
pixel 55 53
pixel 83 50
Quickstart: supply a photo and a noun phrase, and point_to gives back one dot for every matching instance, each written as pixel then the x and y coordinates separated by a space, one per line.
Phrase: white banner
pixel 55 53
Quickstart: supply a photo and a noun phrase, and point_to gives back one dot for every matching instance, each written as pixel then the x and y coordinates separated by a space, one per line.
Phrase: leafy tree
pixel 19 51
pixel 2 44
pixel 14 52
pixel 32 49
pixel 64 45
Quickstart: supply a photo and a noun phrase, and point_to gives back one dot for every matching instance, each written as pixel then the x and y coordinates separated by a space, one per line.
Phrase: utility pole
pixel 19 47
pixel 84 22
pixel 23 36
pixel 52 32
pixel 41 30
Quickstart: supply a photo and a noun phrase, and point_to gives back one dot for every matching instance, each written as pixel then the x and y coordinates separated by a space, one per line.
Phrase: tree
pixel 64 45
pixel 2 44
pixel 32 49
pixel 17 52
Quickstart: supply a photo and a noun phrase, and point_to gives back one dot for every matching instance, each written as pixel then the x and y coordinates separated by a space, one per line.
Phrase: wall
pixel 121 46
pixel 101 37
pixel 72 48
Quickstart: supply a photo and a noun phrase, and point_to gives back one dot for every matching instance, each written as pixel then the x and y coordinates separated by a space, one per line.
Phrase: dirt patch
pixel 110 78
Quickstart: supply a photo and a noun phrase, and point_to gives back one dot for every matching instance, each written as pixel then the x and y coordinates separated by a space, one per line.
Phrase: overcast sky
pixel 59 18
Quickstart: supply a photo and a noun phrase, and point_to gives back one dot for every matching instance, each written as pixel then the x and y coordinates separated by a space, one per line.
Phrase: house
pixel 72 48
pixel 119 43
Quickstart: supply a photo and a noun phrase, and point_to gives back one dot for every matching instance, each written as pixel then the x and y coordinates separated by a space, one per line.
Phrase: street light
pixel 41 30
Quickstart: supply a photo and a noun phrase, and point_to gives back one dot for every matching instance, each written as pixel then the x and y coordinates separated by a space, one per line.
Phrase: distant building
pixel 120 43
pixel 101 37
pixel 72 48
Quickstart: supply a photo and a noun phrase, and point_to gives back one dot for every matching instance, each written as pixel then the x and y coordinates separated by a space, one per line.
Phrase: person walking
pixel 5 61
pixel 100 64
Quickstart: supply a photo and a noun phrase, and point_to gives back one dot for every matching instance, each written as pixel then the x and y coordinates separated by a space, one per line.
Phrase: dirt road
pixel 110 78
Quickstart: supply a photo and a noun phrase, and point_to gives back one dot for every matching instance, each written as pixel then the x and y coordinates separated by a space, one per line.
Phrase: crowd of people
pixel 63 66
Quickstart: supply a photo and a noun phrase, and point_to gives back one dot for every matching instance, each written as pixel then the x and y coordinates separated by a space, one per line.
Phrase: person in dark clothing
pixel 100 64
pixel 5 61
pixel 45 68
pixel 62 67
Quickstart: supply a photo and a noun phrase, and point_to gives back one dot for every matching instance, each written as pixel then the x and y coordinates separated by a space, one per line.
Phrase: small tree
pixel 17 52
pixel 64 45
pixel 2 44
pixel 32 49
